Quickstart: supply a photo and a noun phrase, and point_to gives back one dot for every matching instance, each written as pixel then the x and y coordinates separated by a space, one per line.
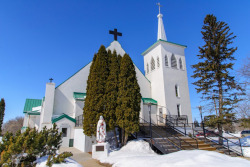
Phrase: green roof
pixel 63 116
pixel 149 101
pixel 30 103
pixel 79 96
pixel 160 40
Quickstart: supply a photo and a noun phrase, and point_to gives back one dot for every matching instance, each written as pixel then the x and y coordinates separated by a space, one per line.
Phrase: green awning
pixel 30 103
pixel 79 96
pixel 149 101
pixel 63 116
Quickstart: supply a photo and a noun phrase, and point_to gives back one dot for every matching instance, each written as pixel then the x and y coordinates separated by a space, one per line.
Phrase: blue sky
pixel 55 38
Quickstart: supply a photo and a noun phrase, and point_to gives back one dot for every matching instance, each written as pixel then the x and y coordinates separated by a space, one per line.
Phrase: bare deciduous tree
pixel 13 125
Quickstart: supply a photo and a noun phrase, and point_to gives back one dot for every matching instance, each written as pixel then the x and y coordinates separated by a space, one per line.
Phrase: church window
pixel 64 132
pixel 152 64
pixel 147 69
pixel 180 62
pixel 177 91
pixel 166 60
pixel 158 62
pixel 173 62
pixel 178 110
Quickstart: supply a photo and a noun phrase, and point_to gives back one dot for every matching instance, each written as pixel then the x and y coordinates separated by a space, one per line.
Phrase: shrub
pixel 24 148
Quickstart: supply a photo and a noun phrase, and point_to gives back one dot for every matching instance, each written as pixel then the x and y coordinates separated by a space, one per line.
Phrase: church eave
pixel 63 116
pixel 73 75
pixel 158 42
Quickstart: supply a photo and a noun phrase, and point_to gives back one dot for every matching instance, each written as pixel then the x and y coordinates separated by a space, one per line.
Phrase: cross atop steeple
pixel 158 4
pixel 161 31
pixel 115 33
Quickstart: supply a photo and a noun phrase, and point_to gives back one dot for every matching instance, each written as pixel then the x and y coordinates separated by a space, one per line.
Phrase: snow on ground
pixel 41 162
pixel 245 142
pixel 234 144
pixel 138 153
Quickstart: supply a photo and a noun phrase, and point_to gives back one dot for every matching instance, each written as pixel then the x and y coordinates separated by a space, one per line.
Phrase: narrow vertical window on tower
pixel 180 62
pixel 158 62
pixel 166 60
pixel 147 69
pixel 173 62
pixel 178 110
pixel 177 91
pixel 152 64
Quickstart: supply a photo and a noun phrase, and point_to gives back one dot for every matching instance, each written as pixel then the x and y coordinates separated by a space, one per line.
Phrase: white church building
pixel 164 87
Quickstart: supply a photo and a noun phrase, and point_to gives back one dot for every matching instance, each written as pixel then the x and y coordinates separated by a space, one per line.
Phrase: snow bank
pixel 41 162
pixel 245 141
pixel 138 154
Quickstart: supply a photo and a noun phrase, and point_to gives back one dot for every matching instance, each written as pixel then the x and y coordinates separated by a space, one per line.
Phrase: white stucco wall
pixel 78 108
pixel 178 77
pixel 82 142
pixel 65 123
pixel 48 106
pixel 144 84
pixel 115 45
pixel 163 79
pixel 25 120
pixel 64 101
pixel 156 76
pixel 33 121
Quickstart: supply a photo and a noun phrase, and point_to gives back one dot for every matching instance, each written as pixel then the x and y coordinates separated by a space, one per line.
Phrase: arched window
pixel 147 69
pixel 180 62
pixel 177 91
pixel 158 62
pixel 152 64
pixel 173 62
pixel 166 60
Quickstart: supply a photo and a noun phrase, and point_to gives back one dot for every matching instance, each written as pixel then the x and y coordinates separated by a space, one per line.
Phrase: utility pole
pixel 150 126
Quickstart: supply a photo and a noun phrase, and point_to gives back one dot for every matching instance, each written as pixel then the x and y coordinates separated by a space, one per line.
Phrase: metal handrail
pixel 159 146
pixel 177 130
pixel 224 145
pixel 175 137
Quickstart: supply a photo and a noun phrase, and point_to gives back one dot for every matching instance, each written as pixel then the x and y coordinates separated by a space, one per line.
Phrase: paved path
pixel 82 158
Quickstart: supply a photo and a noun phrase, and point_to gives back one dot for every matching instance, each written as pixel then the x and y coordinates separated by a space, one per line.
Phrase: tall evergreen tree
pixel 95 100
pixel 128 100
pixel 111 93
pixel 2 110
pixel 212 72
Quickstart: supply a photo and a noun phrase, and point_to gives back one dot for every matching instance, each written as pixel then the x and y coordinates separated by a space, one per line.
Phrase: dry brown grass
pixel 105 164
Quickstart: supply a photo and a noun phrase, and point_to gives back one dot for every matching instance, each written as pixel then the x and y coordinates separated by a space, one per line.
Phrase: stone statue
pixel 101 131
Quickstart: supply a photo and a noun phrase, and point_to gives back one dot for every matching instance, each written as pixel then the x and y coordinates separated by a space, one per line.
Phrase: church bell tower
pixel 165 68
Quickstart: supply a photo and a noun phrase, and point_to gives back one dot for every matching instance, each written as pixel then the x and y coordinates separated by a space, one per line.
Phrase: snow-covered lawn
pixel 41 162
pixel 139 154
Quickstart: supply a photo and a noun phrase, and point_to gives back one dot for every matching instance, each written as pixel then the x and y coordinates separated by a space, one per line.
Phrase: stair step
pixel 208 148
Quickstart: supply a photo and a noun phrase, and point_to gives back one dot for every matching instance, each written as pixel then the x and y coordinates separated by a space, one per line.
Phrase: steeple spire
pixel 161 30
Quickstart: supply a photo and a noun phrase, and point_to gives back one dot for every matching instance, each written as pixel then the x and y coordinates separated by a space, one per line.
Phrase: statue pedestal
pixel 100 150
